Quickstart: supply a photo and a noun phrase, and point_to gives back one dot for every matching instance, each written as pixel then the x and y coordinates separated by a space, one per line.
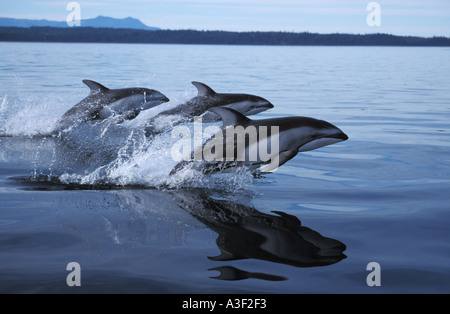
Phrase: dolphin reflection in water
pixel 245 233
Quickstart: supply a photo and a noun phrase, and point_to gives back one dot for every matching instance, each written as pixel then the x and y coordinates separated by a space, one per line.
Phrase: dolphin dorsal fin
pixel 203 89
pixel 230 116
pixel 95 87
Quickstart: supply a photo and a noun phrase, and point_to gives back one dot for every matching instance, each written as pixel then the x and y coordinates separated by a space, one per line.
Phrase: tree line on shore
pixel 108 35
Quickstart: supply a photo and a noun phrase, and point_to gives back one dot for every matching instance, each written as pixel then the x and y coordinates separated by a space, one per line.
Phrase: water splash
pixel 102 153
pixel 29 115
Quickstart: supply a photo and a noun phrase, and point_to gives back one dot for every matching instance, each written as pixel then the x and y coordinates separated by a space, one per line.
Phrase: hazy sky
pixel 400 17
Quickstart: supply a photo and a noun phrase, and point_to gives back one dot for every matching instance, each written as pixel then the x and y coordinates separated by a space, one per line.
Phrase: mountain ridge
pixel 97 22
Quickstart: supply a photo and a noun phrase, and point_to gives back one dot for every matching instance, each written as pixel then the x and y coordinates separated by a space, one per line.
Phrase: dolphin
pixel 287 137
pixel 207 98
pixel 102 103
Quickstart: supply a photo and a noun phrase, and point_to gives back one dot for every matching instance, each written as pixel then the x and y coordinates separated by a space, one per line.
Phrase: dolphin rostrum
pixel 207 98
pixel 259 145
pixel 102 103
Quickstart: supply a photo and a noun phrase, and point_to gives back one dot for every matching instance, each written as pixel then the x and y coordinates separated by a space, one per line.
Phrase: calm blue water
pixel 382 196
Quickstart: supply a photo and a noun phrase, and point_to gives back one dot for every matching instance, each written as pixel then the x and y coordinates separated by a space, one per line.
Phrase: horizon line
pixel 214 30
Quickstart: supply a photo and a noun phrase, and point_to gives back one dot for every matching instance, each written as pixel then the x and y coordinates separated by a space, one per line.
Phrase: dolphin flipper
pixel 95 86
pixel 203 89
pixel 279 159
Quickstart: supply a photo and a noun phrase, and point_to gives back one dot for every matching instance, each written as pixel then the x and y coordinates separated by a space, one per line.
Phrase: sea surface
pixel 312 226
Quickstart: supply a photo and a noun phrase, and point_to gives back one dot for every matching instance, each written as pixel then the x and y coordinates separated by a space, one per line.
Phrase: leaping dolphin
pixel 207 98
pixel 102 103
pixel 287 137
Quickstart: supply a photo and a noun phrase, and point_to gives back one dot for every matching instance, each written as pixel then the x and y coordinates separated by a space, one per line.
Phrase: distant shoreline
pixel 135 36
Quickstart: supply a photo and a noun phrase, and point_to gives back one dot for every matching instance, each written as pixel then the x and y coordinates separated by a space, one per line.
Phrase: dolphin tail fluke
pixel 95 86
pixel 203 89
